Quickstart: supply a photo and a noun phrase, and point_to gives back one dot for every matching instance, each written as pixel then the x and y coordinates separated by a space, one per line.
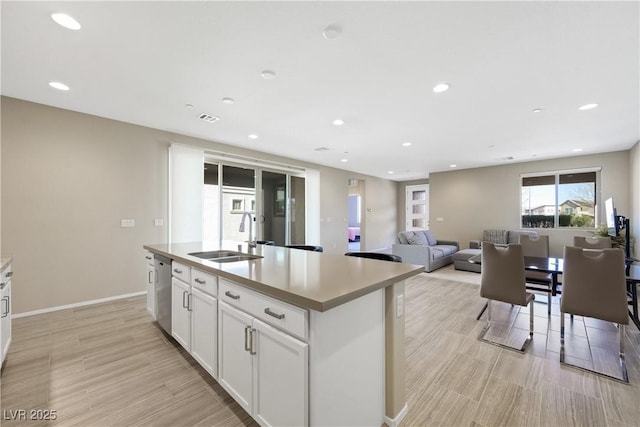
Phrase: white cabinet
pixel 180 313
pixel 152 278
pixel 204 322
pixel 5 312
pixel 264 369
pixel 194 315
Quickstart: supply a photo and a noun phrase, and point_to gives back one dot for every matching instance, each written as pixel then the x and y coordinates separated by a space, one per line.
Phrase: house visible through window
pixel 236 204
pixel 559 199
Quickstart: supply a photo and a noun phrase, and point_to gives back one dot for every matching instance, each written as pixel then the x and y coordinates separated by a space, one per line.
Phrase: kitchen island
pixel 301 337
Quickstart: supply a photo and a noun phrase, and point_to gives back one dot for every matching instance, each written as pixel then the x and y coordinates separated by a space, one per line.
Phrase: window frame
pixel 556 174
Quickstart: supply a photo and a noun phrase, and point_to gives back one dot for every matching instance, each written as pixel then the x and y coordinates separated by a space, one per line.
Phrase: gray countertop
pixel 312 280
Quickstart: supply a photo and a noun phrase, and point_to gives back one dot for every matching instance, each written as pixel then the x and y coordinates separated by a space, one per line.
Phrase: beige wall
pixel 472 200
pixel 68 179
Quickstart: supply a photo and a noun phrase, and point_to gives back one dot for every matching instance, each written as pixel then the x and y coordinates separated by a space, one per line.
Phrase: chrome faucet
pixel 251 242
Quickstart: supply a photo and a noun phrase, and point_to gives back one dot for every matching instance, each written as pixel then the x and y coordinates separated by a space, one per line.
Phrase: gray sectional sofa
pixel 461 258
pixel 422 248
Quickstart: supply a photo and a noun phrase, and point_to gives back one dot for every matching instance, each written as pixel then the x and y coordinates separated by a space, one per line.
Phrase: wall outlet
pixel 127 223
pixel 399 306
pixel 440 219
pixel 158 222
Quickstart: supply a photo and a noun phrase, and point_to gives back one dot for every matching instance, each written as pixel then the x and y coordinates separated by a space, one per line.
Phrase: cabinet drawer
pixel 149 257
pixel 181 271
pixel 205 282
pixel 282 315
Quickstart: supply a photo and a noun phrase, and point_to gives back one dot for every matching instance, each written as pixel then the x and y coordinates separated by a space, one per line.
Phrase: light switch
pixel 158 222
pixel 440 219
pixel 127 223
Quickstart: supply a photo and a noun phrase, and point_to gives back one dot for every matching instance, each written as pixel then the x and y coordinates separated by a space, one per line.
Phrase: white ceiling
pixel 141 62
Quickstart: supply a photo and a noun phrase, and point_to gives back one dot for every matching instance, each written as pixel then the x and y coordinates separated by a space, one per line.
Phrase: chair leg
pixel 489 324
pixel 623 364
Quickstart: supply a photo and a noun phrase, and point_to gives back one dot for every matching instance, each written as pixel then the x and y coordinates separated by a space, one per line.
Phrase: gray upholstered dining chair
pixel 537 281
pixel 592 242
pixel 503 279
pixel 594 285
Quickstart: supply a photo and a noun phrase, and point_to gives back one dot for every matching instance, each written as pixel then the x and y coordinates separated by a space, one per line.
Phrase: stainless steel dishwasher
pixel 163 292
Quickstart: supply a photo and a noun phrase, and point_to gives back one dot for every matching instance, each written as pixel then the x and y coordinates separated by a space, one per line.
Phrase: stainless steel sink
pixel 215 254
pixel 235 258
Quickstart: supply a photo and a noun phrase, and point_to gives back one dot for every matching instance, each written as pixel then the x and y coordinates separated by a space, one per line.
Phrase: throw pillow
pixel 416 239
pixel 431 239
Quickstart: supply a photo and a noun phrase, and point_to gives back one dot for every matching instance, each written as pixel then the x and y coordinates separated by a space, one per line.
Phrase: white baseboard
pixel 77 304
pixel 396 421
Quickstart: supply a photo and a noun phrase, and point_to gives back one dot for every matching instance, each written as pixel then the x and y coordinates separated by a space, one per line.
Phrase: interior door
pixel 417 207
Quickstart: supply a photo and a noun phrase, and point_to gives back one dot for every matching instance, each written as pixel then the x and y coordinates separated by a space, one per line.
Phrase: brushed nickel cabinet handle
pixel 177 270
pixel 150 279
pixel 202 282
pixel 9 274
pixel 252 349
pixel 232 296
pixel 5 313
pixel 189 299
pixel 272 314
pixel 184 305
pixel 247 332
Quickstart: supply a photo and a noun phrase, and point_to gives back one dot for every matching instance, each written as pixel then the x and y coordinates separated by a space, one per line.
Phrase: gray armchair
pixel 422 248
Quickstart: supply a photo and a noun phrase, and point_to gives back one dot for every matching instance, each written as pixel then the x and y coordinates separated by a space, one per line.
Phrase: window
pixel 559 199
pixel 236 204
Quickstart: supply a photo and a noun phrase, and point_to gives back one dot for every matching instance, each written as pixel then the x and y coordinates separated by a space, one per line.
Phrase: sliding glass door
pixel 275 213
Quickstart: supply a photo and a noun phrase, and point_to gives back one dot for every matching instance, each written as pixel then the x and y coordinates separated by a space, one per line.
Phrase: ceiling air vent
pixel 321 149
pixel 209 118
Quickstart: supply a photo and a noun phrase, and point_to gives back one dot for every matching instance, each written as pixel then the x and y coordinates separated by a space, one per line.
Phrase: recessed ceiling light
pixel 344 160
pixel 253 136
pixel 588 107
pixel 228 101
pixel 406 144
pixel 390 172
pixel 188 105
pixel 332 32
pixel 58 85
pixel 268 74
pixel 453 166
pixel 577 150
pixel 66 21
pixel 440 87
pixel 537 110
pixel 338 122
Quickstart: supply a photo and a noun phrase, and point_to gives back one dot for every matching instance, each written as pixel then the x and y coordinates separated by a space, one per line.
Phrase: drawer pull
pixel 177 270
pixel 232 296
pixel 200 281
pixel 5 313
pixel 9 274
pixel 272 314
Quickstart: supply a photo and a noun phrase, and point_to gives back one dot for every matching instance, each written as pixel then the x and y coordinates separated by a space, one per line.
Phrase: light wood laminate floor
pixel 109 365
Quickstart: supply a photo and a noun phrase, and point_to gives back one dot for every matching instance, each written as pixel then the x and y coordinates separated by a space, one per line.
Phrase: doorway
pixel 354 215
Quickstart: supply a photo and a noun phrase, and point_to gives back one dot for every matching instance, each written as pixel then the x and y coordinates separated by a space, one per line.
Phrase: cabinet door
pixel 234 361
pixel 204 329
pixel 281 378
pixel 5 320
pixel 151 295
pixel 180 315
